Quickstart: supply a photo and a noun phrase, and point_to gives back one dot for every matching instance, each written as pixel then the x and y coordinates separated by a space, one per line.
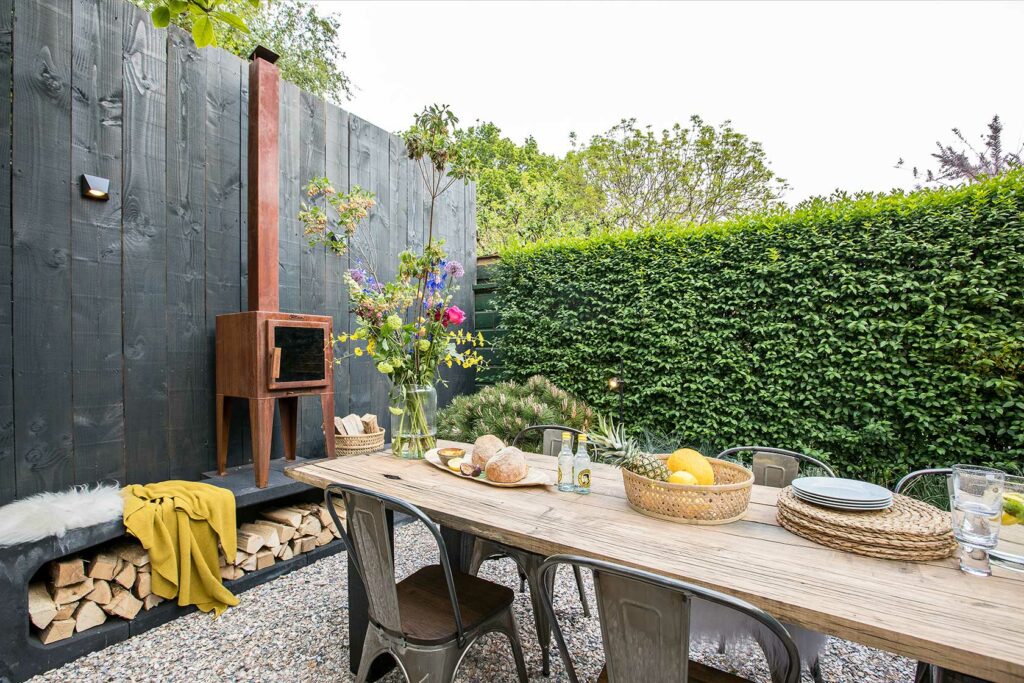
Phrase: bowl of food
pixel 450 453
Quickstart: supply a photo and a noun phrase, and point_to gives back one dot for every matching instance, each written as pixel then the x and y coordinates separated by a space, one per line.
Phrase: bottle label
pixel 560 480
pixel 583 479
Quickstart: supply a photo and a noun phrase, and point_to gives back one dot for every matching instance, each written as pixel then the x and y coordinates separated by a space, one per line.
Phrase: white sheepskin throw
pixel 54 514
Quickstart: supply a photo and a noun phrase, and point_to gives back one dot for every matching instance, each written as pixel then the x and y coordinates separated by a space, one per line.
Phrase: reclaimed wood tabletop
pixel 929 611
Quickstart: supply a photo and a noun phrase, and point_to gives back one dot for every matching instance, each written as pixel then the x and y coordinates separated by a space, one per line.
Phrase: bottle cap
pixel 582 438
pixel 566 436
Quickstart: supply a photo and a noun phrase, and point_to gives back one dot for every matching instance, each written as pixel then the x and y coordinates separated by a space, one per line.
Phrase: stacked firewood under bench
pixel 75 594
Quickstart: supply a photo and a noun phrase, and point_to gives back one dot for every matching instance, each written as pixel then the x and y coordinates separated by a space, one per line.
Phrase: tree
pixel 524 194
pixel 306 41
pixel 965 164
pixel 698 174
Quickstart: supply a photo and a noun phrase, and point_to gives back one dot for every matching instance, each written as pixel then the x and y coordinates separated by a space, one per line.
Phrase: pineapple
pixel 616 448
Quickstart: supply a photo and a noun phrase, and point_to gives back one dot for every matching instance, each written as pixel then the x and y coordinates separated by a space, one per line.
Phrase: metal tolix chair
pixel 427 621
pixel 529 563
pixel 645 625
pixel 776 468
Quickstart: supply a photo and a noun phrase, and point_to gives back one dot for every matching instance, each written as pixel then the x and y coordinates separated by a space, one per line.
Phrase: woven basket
pixel 724 501
pixel 359 444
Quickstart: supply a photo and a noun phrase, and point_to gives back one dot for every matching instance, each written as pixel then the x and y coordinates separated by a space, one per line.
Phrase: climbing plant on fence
pixel 883 334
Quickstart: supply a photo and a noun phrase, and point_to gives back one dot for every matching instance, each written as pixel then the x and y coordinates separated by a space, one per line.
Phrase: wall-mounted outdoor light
pixel 94 187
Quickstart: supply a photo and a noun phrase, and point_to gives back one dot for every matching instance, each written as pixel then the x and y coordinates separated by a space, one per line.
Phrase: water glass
pixel 976 504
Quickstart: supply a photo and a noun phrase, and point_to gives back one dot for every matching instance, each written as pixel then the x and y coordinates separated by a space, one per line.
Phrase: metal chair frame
pixel 372 556
pixel 528 565
pixel 905 483
pixel 621 590
pixel 775 461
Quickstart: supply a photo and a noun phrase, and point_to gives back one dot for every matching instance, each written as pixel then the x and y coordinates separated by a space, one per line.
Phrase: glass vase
pixel 413 410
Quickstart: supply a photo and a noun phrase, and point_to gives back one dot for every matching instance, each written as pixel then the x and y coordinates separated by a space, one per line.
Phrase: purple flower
pixel 358 275
pixel 455 269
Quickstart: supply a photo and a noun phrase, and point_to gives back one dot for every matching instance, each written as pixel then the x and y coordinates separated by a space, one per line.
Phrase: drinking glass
pixel 976 504
pixel 1010 552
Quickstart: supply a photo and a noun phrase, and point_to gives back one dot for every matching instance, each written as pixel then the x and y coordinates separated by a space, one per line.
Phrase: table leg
pixel 359 616
pixel 460 548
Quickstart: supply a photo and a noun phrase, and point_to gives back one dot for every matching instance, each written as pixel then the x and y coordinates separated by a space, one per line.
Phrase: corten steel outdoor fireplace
pixel 264 355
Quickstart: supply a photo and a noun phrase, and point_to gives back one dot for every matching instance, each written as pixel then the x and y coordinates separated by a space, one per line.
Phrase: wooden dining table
pixel 928 611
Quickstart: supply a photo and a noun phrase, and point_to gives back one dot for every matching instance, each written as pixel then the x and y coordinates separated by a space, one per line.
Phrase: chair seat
pixel 426 610
pixel 698 673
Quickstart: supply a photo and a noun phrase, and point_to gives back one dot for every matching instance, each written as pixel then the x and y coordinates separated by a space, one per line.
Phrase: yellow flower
pixel 358 350
pixel 370 346
pixel 342 338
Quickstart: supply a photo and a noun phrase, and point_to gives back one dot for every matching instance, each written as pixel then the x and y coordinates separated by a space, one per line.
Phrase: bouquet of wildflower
pixel 409 326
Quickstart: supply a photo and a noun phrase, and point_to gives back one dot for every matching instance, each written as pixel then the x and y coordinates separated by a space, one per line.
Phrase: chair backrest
pixel 904 485
pixel 645 622
pixel 775 467
pixel 367 538
pixel 552 436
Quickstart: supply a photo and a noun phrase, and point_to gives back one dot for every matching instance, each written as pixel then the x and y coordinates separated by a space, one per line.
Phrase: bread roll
pixel 484 449
pixel 507 466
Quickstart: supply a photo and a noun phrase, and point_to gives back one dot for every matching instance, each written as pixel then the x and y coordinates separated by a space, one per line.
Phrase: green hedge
pixel 883 335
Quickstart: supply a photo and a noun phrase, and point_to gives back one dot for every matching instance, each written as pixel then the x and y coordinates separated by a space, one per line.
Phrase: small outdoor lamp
pixel 94 187
pixel 617 385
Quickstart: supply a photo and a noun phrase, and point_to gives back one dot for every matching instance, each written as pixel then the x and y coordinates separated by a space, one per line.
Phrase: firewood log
pixel 310 527
pixel 308 543
pixel 151 601
pixel 57 630
pixel 143 584
pixel 100 593
pixel 123 604
pixel 369 424
pixel 104 566
pixel 67 572
pixel 352 424
pixel 41 607
pixel 324 538
pixel 231 572
pixel 289 516
pixel 87 615
pixel 249 542
pixel 264 558
pixel 286 552
pixel 66 611
pixel 240 558
pixel 324 516
pixel 69 594
pixel 250 563
pixel 279 550
pixel 285 532
pixel 269 533
pixel 132 551
pixel 126 577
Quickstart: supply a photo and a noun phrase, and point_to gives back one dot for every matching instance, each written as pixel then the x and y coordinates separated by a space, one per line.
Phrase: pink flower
pixel 454 316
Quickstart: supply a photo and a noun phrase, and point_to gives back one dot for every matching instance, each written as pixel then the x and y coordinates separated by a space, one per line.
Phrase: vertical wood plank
pixel 41 194
pixel 145 248
pixel 312 260
pixel 223 201
pixel 190 403
pixel 337 292
pixel 8 463
pixel 96 139
pixel 469 279
pixel 290 233
pixel 239 448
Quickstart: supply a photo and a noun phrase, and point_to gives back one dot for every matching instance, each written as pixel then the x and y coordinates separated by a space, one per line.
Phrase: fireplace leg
pixel 289 424
pixel 261 422
pixel 327 408
pixel 223 431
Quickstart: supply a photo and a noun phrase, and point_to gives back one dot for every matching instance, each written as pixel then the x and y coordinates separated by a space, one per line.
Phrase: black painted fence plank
pixel 8 464
pixel 96 140
pixel 41 193
pixel 337 292
pixel 144 217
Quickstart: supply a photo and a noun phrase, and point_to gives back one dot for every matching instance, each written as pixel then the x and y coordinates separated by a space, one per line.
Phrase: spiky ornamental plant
pixel 505 408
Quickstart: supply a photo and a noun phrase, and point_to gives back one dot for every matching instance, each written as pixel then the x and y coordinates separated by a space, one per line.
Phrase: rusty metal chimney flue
pixel 264 179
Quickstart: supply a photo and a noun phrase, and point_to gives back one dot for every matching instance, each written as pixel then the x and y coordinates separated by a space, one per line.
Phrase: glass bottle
pixel 565 473
pixel 581 466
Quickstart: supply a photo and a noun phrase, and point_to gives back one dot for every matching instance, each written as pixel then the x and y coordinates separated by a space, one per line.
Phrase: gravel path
pixel 295 628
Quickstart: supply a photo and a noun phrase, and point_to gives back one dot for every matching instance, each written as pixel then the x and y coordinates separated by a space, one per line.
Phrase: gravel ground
pixel 295 628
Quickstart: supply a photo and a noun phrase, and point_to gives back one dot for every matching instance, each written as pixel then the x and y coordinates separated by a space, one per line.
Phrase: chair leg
pixel 583 593
pixel 522 581
pixel 373 647
pixel 434 664
pixel 510 629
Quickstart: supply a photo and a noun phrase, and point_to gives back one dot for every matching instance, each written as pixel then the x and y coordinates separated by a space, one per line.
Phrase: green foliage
pixel 335 228
pixel 506 408
pixel 883 334
pixel 307 42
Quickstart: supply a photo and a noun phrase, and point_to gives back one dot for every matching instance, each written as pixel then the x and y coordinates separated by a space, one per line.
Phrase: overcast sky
pixel 836 92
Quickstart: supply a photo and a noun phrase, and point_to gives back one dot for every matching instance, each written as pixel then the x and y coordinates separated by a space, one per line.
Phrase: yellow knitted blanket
pixel 179 523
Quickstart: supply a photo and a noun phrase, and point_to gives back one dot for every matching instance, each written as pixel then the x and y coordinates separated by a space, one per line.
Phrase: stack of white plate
pixel 842 494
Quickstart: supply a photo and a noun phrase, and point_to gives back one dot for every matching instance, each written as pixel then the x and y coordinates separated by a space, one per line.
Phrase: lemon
pixel 682 477
pixel 1008 519
pixel 454 464
pixel 689 460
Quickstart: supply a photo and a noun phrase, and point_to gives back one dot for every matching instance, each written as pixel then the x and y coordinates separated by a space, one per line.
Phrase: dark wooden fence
pixel 107 309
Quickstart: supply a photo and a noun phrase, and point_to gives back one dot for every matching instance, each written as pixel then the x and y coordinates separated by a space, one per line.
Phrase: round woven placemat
pixel 909 530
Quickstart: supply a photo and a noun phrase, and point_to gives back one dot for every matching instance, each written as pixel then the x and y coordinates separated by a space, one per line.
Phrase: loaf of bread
pixel 507 466
pixel 484 449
